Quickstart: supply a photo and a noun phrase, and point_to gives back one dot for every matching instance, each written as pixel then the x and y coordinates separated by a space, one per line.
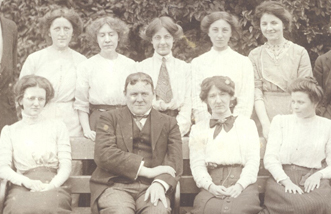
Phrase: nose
pixel 139 98
pixel 218 99
pixel 107 38
pixel 162 40
pixel 62 32
pixel 36 102
pixel 220 34
pixel 269 27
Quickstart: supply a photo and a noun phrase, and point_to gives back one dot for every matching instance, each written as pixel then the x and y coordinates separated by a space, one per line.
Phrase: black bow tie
pixel 137 117
pixel 227 123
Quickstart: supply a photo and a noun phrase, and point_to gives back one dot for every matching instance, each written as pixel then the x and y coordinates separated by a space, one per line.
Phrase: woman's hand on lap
pixel 235 190
pixel 290 187
pixel 313 182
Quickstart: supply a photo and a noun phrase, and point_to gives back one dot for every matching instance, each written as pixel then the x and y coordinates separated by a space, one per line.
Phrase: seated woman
pixel 297 146
pixel 39 149
pixel 224 154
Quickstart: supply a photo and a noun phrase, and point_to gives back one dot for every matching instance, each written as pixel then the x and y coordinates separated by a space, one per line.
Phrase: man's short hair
pixel 132 79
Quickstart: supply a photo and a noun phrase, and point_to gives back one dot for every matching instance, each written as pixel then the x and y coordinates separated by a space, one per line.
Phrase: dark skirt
pixel 247 202
pixel 20 200
pixel 278 201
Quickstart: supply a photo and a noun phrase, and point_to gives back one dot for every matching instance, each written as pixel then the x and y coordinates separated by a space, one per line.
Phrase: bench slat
pixel 82 148
pixel 79 183
pixel 188 186
pixel 81 210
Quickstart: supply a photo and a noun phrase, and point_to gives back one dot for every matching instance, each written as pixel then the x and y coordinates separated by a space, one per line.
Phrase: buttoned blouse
pixel 223 63
pixel 301 142
pixel 238 146
pixel 275 75
pixel 101 81
pixel 180 80
pixel 35 142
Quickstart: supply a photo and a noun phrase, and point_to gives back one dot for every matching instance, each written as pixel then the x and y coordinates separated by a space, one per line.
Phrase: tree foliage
pixel 310 24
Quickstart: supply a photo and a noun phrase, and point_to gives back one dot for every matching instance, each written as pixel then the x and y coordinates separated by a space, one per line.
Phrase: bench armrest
pixel 3 190
pixel 176 200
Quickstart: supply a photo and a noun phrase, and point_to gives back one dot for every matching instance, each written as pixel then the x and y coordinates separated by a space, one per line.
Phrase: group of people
pixel 138 112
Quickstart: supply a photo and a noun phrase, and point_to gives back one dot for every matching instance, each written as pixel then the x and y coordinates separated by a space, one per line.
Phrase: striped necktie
pixel 163 87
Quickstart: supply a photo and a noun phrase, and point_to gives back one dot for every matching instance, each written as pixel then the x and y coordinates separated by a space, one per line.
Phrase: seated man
pixel 138 152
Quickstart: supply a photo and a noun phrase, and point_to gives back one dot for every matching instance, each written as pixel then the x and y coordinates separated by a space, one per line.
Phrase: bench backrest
pixel 81 149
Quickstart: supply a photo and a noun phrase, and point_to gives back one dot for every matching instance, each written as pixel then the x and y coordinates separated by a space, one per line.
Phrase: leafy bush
pixel 310 23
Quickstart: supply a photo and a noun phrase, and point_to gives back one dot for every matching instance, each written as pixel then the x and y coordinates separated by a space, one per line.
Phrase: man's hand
pixel 156 192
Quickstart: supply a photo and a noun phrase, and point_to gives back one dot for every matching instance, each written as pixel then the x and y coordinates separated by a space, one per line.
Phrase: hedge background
pixel 311 19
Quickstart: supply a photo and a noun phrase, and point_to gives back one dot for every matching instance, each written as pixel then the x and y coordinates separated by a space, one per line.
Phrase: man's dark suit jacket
pixel 322 73
pixel 7 72
pixel 114 145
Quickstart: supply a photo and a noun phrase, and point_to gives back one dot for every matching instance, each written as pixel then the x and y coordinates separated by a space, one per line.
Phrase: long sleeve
pixel 6 161
pixel 251 153
pixel 253 55
pixel 327 170
pixel 305 68
pixel 199 108
pixel 272 160
pixel 82 88
pixel 184 115
pixel 197 158
pixel 28 67
pixel 64 156
pixel 245 96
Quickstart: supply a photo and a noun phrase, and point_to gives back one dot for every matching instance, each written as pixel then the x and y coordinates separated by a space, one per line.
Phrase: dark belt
pixel 104 107
pixel 170 112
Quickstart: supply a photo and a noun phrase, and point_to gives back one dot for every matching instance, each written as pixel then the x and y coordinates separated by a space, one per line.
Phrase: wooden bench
pixel 188 186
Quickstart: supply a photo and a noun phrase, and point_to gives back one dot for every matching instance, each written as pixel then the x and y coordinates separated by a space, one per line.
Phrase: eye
pixel 41 99
pixel 101 34
pixel 157 37
pixel 215 29
pixel 167 37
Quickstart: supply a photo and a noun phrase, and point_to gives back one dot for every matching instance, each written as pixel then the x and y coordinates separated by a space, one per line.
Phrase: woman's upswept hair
pixel 114 23
pixel 59 12
pixel 222 83
pixel 32 81
pixel 174 29
pixel 215 16
pixel 275 8
pixel 308 85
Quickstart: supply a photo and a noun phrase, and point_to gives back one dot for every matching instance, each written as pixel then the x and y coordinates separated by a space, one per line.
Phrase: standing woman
pixel 224 154
pixel 100 78
pixel 276 63
pixel 173 78
pixel 298 155
pixel 222 60
pixel 38 148
pixel 58 64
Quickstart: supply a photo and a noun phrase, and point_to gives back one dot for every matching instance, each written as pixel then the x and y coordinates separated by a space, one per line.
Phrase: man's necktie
pixel 163 86
pixel 226 123
pixel 138 119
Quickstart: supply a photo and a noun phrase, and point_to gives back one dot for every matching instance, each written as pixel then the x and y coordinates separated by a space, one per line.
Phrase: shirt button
pixel 226 208
pixel 232 176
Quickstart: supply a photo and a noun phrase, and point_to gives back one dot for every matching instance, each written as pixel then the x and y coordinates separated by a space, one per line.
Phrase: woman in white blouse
pixel 39 150
pixel 224 154
pixel 162 32
pixel 298 155
pixel 222 60
pixel 101 78
pixel 58 63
